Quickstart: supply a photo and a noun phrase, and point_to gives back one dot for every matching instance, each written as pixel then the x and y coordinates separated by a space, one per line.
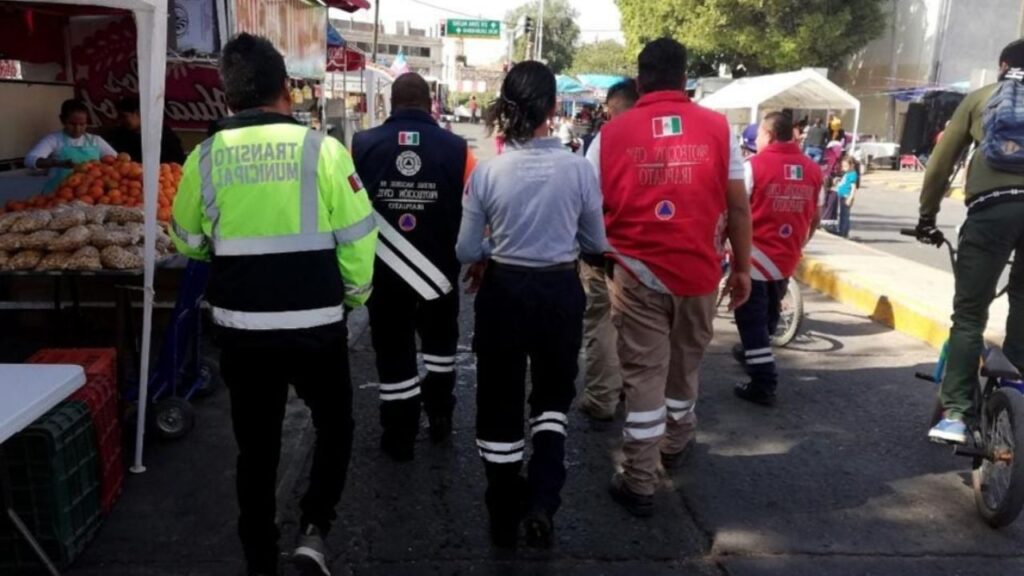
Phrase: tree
pixel 604 57
pixel 560 31
pixel 756 36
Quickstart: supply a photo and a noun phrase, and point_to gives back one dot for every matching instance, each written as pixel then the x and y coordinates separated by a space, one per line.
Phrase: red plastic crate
pixel 101 397
pixel 95 361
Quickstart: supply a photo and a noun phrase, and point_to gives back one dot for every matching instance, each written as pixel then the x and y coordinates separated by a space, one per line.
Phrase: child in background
pixel 847 191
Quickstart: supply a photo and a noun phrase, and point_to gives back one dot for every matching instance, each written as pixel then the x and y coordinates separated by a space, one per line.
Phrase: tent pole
pixel 856 129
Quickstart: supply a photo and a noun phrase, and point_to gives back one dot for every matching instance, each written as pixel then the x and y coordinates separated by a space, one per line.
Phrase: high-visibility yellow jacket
pixel 281 214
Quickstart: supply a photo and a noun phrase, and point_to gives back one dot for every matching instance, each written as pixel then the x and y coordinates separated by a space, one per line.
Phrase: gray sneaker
pixel 310 555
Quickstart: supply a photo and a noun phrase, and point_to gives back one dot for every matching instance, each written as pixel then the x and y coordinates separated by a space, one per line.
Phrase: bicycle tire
pixel 1001 510
pixel 792 328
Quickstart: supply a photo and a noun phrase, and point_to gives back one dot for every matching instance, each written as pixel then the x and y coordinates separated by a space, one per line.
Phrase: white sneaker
pixel 310 555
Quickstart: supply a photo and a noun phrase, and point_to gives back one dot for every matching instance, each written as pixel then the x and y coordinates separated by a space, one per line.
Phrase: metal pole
pixel 376 29
pixel 540 32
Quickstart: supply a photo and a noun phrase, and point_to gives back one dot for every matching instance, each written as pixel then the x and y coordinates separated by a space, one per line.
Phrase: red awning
pixel 349 5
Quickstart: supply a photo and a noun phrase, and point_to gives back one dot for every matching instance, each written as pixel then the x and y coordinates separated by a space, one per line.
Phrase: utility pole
pixel 540 32
pixel 376 29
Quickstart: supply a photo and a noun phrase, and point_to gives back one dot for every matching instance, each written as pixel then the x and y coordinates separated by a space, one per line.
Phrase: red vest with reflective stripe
pixel 664 174
pixel 783 203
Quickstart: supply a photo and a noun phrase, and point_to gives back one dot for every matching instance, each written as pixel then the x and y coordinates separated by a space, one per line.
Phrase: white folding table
pixel 27 391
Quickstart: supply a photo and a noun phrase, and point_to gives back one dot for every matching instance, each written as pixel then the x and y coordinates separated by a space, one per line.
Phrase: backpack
pixel 1003 125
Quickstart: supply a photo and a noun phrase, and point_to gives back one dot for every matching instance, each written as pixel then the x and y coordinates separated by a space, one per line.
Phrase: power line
pixel 449 10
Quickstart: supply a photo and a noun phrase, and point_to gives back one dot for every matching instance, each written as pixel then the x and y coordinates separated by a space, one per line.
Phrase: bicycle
pixel 996 432
pixel 791 316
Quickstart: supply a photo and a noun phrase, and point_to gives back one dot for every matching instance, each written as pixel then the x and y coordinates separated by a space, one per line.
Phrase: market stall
pixel 806 89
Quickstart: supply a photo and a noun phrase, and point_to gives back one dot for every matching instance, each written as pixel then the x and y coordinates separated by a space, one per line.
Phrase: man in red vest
pixel 785 195
pixel 672 178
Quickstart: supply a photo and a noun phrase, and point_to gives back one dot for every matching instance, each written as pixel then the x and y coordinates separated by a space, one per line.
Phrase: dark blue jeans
pixel 757 320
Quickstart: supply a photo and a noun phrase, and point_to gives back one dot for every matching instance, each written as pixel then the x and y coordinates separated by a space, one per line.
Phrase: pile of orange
pixel 116 181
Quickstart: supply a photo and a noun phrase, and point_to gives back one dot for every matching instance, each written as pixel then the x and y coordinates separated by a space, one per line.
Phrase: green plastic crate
pixel 53 472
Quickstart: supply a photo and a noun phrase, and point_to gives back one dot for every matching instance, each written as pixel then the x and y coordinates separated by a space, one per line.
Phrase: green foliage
pixel 604 57
pixel 759 36
pixel 560 31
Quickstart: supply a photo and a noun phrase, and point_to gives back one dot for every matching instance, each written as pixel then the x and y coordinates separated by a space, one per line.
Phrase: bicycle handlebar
pixel 908 232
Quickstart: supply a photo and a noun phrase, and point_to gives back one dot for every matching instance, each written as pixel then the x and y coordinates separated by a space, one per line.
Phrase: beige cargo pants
pixel 661 342
pixel 602 378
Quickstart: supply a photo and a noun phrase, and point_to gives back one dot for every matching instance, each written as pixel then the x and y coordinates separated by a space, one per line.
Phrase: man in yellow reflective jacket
pixel 281 215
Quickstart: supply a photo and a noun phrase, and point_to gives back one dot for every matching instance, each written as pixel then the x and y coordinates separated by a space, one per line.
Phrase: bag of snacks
pixel 123 215
pixel 85 258
pixel 24 260
pixel 39 240
pixel 67 218
pixel 119 258
pixel 11 242
pixel 72 239
pixel 32 221
pixel 53 261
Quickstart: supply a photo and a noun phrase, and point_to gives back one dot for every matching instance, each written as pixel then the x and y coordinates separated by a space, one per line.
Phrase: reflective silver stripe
pixel 502 458
pixel 550 416
pixel 761 360
pixel 310 193
pixel 500 446
pixel 643 273
pixel 206 185
pixel 358 290
pixel 425 266
pixel 406 273
pixel 645 417
pixel 549 427
pixel 438 359
pixel 357 231
pixel 295 320
pixel 393 396
pixel 758 352
pixel 644 433
pixel 679 404
pixel 755 274
pixel 259 246
pixel 398 385
pixel 765 262
pixel 440 369
pixel 196 241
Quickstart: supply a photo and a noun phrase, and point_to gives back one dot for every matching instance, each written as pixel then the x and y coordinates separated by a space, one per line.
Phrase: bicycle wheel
pixel 791 318
pixel 999 480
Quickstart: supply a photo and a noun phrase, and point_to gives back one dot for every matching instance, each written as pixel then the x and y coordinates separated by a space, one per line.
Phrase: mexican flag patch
pixel 355 182
pixel 668 126
pixel 794 172
pixel 408 138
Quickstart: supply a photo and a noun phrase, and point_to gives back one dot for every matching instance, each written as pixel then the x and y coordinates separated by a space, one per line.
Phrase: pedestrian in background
pixel 671 175
pixel 542 205
pixel 474 109
pixel 602 378
pixel 283 269
pixel 846 191
pixel 785 196
pixel 817 139
pixel 415 172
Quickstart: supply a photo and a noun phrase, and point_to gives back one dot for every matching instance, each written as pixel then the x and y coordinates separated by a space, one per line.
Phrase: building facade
pixel 422 47
pixel 952 44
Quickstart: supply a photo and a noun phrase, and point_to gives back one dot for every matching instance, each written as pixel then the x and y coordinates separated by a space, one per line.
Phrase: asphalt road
pixel 882 209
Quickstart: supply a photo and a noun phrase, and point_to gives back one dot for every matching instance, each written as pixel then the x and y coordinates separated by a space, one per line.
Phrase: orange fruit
pixel 104 200
pixel 96 192
pixel 124 157
pixel 163 214
pixel 108 160
pixel 87 200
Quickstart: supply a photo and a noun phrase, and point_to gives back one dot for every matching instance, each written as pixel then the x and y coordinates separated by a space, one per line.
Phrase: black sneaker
pixel 310 555
pixel 397 450
pixel 679 459
pixel 539 528
pixel 638 505
pixel 440 428
pixel 739 354
pixel 751 393
pixel 505 510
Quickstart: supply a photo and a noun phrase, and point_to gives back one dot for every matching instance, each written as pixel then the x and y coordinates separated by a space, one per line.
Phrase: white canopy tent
pixel 151 24
pixel 804 89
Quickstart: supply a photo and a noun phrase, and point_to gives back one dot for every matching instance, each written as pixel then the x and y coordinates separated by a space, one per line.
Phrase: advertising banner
pixel 297 28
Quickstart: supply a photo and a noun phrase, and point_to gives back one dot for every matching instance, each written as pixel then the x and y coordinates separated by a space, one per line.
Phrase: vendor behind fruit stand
pixel 128 137
pixel 61 151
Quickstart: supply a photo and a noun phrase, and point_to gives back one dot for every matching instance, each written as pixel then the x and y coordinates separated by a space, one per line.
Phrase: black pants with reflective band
pixel 258 380
pixel 757 320
pixel 397 315
pixel 533 319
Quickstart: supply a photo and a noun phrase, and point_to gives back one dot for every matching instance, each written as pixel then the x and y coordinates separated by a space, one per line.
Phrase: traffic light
pixel 529 26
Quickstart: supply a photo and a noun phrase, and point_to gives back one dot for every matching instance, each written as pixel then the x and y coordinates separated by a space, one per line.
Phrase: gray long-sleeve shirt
pixel 542 204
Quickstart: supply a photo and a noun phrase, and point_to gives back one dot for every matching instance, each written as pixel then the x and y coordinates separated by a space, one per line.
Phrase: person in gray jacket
pixel 543 207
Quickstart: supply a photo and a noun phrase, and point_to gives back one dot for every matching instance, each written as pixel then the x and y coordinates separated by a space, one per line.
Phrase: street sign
pixel 474 28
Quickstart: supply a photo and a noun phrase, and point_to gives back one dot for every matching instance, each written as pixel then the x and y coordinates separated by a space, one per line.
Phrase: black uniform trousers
pixel 258 379
pixel 757 321
pixel 536 318
pixel 397 315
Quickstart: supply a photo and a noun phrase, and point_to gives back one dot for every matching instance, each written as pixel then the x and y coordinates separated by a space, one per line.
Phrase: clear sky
pixel 599 19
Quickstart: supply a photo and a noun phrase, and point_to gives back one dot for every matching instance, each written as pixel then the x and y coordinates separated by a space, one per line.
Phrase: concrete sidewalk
pixel 910 297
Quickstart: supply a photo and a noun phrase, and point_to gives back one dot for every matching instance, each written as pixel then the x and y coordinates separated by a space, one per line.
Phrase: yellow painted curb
pixel 878 307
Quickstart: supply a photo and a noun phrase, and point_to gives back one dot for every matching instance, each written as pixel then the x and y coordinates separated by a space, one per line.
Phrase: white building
pixel 422 47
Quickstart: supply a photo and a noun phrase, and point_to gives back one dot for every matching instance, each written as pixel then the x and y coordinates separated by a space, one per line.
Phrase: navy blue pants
pixel 526 319
pixel 757 320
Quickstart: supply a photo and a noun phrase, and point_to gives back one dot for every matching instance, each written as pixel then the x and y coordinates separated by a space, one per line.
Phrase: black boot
pixel 539 528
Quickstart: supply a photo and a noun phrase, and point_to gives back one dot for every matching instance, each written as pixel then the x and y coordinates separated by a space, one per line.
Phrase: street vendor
pixel 61 151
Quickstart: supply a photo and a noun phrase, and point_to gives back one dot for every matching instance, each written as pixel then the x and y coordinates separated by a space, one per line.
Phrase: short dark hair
pixel 70 106
pixel 527 97
pixel 410 90
pixel 662 66
pixel 780 125
pixel 1013 54
pixel 128 105
pixel 625 90
pixel 253 72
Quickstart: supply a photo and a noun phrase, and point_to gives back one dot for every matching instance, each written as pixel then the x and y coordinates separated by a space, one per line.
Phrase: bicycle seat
pixel 997 365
